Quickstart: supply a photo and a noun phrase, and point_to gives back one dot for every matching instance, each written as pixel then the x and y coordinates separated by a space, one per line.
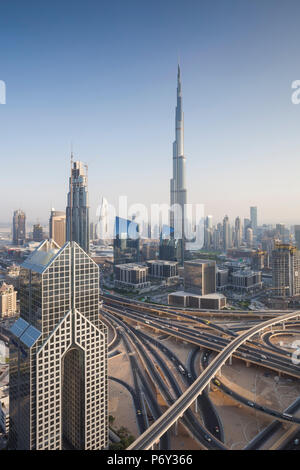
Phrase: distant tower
pixel 37 233
pixel 77 212
pixel 253 218
pixel 226 234
pixel 57 227
pixel 238 232
pixel 297 236
pixel 19 227
pixel 178 192
pixel 249 237
pixel 102 225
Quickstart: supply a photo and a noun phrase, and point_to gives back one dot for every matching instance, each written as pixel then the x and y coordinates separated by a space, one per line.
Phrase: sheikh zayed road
pixel 141 343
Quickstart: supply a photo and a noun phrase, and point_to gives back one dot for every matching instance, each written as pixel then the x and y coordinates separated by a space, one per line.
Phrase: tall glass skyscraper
pixel 19 228
pixel 77 212
pixel 178 192
pixel 126 242
pixel 58 354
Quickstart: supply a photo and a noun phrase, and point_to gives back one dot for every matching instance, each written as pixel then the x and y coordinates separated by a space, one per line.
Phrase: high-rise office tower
pixel 103 222
pixel 297 236
pixel 200 276
pixel 249 237
pixel 126 242
pixel 238 232
pixel 19 227
pixel 280 232
pixel 226 234
pixel 253 218
pixel 57 227
pixel 286 270
pixel 77 212
pixel 178 192
pixel 37 233
pixel 58 354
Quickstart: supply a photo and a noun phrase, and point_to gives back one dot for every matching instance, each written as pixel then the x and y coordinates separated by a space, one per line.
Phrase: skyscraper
pixel 126 242
pixel 37 233
pixel 19 227
pixel 58 354
pixel 297 236
pixel 286 270
pixel 226 234
pixel 77 212
pixel 57 227
pixel 253 218
pixel 238 232
pixel 178 192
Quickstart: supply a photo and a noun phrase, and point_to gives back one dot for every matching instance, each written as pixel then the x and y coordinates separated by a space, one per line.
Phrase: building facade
pixel 178 192
pixel 286 270
pixel 162 269
pixel 200 276
pixel 58 354
pixel 37 233
pixel 57 227
pixel 126 242
pixel 77 211
pixel 8 301
pixel 131 275
pixel 19 227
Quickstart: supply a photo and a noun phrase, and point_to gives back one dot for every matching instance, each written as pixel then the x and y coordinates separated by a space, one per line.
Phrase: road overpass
pixel 157 429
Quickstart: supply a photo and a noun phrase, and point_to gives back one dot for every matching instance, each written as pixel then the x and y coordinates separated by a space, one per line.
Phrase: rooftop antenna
pixel 71 194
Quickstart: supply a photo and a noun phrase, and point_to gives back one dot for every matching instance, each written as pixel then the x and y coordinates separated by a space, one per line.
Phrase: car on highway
pixel 250 403
pixel 138 412
pixel 217 429
pixel 207 438
pixel 217 382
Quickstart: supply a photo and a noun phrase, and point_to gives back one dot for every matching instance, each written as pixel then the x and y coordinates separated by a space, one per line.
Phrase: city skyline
pixel 237 66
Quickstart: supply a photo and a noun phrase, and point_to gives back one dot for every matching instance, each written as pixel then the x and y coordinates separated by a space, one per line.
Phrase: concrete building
pixel 237 232
pixel 214 301
pixel 222 279
pixel 58 354
pixel 162 269
pixel 77 211
pixel 37 233
pixel 8 301
pixel 200 276
pixel 131 275
pixel 19 227
pixel 226 234
pixel 4 414
pixel 245 280
pixel 253 219
pixel 249 237
pixel 57 227
pixel 286 270
pixel 297 236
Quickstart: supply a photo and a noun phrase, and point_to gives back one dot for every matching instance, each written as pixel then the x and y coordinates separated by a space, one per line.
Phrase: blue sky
pixel 102 75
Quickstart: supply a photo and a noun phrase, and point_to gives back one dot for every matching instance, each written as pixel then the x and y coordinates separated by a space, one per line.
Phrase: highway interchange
pixel 227 335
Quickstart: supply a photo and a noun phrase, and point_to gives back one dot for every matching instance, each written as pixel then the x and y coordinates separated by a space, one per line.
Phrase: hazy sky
pixel 102 74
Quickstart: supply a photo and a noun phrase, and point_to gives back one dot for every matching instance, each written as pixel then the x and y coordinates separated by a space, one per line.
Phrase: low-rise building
pixel 162 269
pixel 214 301
pixel 131 275
pixel 8 301
pixel 246 280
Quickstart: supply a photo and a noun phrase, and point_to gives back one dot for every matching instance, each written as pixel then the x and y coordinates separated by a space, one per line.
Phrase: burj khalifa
pixel 178 190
